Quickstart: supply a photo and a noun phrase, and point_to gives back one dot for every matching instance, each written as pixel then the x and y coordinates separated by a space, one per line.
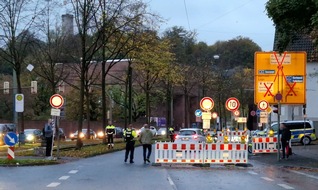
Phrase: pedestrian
pixel 171 134
pixel 130 135
pixel 285 138
pixel 145 138
pixel 48 134
pixel 110 131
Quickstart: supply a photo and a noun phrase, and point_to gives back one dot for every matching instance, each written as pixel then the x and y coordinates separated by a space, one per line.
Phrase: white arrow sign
pixel 11 139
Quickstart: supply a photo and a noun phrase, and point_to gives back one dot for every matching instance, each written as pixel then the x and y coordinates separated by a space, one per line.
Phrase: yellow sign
pixel 280 77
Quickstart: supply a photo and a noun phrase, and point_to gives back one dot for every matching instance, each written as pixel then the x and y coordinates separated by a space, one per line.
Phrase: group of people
pixel 145 138
pixel 130 136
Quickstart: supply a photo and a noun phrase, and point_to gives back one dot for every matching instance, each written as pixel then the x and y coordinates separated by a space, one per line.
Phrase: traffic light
pixel 276 109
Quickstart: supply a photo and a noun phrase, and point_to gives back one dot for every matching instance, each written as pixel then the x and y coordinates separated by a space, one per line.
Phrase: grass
pixel 25 155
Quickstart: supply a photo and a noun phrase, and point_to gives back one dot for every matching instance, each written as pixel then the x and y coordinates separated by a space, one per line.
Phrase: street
pixel 110 172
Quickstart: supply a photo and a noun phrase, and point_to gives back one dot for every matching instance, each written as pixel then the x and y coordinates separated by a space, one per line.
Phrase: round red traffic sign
pixel 263 105
pixel 236 113
pixel 206 103
pixel 56 101
pixel 232 104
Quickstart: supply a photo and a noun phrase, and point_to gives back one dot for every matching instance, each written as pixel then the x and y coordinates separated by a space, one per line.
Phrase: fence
pixel 264 145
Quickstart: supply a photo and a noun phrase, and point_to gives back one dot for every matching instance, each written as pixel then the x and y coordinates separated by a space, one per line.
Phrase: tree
pixel 17 17
pixel 291 17
pixel 151 63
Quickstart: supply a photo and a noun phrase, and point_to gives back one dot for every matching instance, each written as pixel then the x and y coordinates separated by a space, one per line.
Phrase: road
pixel 110 172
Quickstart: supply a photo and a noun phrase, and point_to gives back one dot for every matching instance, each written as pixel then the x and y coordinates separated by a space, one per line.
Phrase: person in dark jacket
pixel 48 134
pixel 130 135
pixel 285 138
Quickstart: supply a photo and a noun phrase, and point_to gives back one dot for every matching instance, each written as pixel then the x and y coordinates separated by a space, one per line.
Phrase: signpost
pixel 283 74
pixel 56 102
pixel 206 104
pixel 10 139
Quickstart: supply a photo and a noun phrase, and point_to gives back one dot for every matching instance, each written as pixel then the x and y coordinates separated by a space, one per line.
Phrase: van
pixel 302 131
pixel 4 129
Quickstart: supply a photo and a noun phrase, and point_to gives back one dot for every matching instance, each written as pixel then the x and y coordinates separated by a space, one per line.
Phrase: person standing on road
pixel 129 135
pixel 110 131
pixel 285 138
pixel 145 139
pixel 48 134
pixel 171 134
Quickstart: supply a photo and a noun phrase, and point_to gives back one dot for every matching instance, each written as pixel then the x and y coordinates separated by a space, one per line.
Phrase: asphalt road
pixel 110 172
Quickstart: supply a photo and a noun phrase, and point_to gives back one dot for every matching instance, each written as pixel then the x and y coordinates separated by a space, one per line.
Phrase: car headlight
pixel 71 135
pixel 163 132
pixel 81 135
pixel 100 134
pixel 30 137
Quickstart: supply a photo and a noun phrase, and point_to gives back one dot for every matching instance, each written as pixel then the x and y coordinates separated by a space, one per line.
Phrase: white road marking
pixel 285 186
pixel 267 179
pixel 170 181
pixel 54 184
pixel 253 173
pixel 307 175
pixel 64 177
pixel 73 171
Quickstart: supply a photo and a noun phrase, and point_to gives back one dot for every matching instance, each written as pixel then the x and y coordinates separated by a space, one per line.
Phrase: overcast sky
pixel 216 20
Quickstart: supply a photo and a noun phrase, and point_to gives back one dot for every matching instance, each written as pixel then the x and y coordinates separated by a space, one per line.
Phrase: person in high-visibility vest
pixel 130 135
pixel 110 131
pixel 171 134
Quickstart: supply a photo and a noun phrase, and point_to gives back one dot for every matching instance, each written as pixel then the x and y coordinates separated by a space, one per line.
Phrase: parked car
pixel 4 129
pixel 190 135
pixel 152 129
pixel 83 134
pixel 32 136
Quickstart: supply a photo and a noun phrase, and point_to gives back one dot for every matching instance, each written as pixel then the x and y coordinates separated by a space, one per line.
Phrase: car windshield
pixel 187 132
pixel 28 131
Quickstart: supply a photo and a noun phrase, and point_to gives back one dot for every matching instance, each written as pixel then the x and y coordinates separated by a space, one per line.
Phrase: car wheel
pixel 305 140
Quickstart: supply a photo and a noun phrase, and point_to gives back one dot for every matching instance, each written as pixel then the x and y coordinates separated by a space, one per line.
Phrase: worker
pixel 130 135
pixel 171 134
pixel 110 131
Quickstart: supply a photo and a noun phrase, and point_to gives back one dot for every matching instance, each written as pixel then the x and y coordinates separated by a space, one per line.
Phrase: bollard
pixel 11 152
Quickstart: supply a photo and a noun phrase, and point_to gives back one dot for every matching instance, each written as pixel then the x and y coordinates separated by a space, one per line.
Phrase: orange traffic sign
pixel 283 74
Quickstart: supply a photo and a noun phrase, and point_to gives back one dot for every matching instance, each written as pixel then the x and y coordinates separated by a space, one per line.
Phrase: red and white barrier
pixel 233 136
pixel 215 153
pixel 11 152
pixel 169 152
pixel 226 153
pixel 264 144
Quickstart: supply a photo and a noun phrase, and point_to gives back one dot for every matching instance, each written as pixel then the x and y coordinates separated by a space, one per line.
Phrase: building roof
pixel 300 42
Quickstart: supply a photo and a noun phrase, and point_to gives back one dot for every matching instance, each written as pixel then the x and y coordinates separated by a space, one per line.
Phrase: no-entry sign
pixel 56 101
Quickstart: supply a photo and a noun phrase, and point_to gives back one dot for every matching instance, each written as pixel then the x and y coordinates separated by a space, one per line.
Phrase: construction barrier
pixel 226 153
pixel 169 152
pixel 232 136
pixel 264 145
pixel 214 153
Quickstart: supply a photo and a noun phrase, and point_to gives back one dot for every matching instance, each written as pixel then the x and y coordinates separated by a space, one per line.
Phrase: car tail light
pixel 195 136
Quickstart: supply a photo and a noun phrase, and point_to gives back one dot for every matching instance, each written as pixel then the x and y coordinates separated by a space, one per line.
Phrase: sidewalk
pixel 303 157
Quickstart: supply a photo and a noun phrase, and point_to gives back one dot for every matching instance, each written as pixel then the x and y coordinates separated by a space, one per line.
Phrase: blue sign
pixel 198 113
pixel 10 139
pixel 258 113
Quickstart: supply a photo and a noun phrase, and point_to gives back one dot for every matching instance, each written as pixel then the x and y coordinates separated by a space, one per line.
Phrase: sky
pixel 218 20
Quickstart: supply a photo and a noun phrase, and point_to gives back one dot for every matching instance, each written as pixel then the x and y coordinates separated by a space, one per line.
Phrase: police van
pixel 302 131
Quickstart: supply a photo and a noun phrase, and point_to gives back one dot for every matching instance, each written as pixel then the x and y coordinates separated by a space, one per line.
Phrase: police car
pixel 302 131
